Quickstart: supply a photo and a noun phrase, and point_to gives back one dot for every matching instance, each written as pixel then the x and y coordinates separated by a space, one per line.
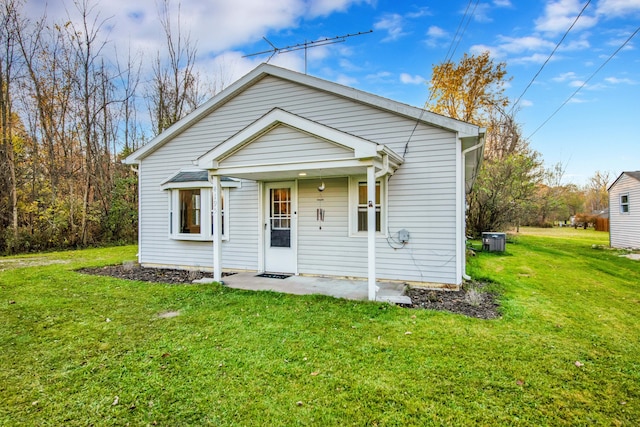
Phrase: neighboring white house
pixel 624 211
pixel 311 178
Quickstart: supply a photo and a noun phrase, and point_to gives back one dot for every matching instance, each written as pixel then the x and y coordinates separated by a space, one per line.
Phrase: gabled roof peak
pixel 462 128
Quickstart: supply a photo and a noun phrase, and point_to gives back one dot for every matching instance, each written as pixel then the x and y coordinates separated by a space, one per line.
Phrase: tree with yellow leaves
pixel 472 90
pixel 469 90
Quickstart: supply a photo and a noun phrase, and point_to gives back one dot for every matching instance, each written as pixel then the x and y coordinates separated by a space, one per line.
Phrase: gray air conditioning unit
pixel 494 242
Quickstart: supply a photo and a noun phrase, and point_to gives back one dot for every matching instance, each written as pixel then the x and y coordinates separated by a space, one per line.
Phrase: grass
pixel 87 350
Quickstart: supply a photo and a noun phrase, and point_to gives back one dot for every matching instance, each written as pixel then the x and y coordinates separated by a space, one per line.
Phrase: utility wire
pixel 586 81
pixel 550 55
pixel 450 52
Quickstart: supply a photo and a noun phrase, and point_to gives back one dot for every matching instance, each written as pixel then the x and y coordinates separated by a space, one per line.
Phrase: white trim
pixel 354 182
pixel 460 211
pixel 258 73
pixel 265 198
pixel 371 231
pixel 206 200
pixel 261 225
pixel 627 204
pixel 361 147
pixel 216 217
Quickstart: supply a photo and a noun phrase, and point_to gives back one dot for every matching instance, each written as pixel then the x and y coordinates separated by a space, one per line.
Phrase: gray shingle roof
pixel 193 176
pixel 635 174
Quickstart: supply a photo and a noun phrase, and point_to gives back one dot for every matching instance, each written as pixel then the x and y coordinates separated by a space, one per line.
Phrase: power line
pixel 550 55
pixel 447 58
pixel 586 81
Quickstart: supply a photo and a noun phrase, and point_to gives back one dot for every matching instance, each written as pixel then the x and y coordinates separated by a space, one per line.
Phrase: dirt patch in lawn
pixel 473 300
pixel 9 263
pixel 156 275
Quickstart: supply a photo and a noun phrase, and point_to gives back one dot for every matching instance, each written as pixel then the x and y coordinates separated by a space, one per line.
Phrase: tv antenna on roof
pixel 306 45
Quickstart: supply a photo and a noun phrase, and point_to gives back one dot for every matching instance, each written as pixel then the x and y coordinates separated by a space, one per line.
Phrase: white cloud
pixel 616 81
pixel 437 32
pixel 393 24
pixel 435 35
pixel 346 80
pixel 565 77
pixel 577 83
pixel 481 13
pixel 423 11
pixel 615 8
pixel 317 8
pixel 560 14
pixel 536 58
pixel 412 80
pixel 502 3
pixel 526 103
pixel 380 77
pixel 494 51
pixel 217 26
pixel 523 44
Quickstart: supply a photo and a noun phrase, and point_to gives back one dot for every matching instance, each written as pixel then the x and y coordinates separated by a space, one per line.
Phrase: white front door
pixel 280 227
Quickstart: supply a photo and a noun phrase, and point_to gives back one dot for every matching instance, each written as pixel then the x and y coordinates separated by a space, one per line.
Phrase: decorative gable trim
pixel 463 129
pixel 362 148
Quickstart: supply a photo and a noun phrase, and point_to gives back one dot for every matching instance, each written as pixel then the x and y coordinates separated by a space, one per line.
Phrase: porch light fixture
pixel 302 174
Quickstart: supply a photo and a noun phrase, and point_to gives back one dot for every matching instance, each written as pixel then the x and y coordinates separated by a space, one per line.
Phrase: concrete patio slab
pixel 308 285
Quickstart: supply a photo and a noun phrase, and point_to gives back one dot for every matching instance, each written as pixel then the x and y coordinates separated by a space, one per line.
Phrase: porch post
pixel 371 231
pixel 217 230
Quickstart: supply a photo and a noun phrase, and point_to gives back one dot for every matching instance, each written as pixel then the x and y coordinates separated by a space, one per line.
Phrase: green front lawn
pixel 88 350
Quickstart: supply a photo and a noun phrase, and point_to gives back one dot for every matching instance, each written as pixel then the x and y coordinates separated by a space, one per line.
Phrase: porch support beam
pixel 371 231
pixel 217 229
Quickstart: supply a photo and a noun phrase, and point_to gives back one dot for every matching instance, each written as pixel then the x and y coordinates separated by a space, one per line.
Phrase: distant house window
pixel 624 203
pixel 360 203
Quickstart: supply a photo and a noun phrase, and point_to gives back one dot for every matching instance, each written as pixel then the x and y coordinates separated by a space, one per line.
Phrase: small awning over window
pixel 195 178
pixel 189 176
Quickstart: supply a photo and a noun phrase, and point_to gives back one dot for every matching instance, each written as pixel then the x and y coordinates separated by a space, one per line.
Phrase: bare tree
pixel 8 58
pixel 596 189
pixel 175 89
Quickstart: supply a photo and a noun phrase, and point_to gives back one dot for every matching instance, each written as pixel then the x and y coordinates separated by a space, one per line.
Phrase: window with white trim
pixel 624 203
pixel 191 213
pixel 359 205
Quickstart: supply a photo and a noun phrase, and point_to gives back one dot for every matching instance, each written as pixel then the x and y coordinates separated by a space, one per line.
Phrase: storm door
pixel 280 230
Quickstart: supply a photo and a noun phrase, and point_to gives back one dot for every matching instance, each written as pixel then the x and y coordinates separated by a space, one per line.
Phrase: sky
pixel 595 129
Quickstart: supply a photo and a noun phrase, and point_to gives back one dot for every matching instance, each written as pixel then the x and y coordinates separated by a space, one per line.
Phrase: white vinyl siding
pixel 421 195
pixel 283 139
pixel 624 227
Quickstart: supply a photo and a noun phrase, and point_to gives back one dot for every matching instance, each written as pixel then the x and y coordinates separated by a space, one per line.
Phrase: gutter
pixel 479 145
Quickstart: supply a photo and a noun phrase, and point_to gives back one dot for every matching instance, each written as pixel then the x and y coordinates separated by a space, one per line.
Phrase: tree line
pixel 71 107
pixel 513 187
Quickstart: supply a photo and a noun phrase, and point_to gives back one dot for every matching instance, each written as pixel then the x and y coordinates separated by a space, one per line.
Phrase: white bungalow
pixel 624 211
pixel 311 178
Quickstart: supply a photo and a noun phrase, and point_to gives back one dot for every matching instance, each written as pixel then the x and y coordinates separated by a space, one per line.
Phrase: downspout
pixel 481 134
pixel 385 166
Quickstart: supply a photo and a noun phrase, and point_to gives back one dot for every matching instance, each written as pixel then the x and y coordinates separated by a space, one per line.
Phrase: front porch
pixel 352 289
pixel 277 151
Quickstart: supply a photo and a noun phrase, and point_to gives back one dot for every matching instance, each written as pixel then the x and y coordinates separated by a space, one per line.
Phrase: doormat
pixel 274 276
